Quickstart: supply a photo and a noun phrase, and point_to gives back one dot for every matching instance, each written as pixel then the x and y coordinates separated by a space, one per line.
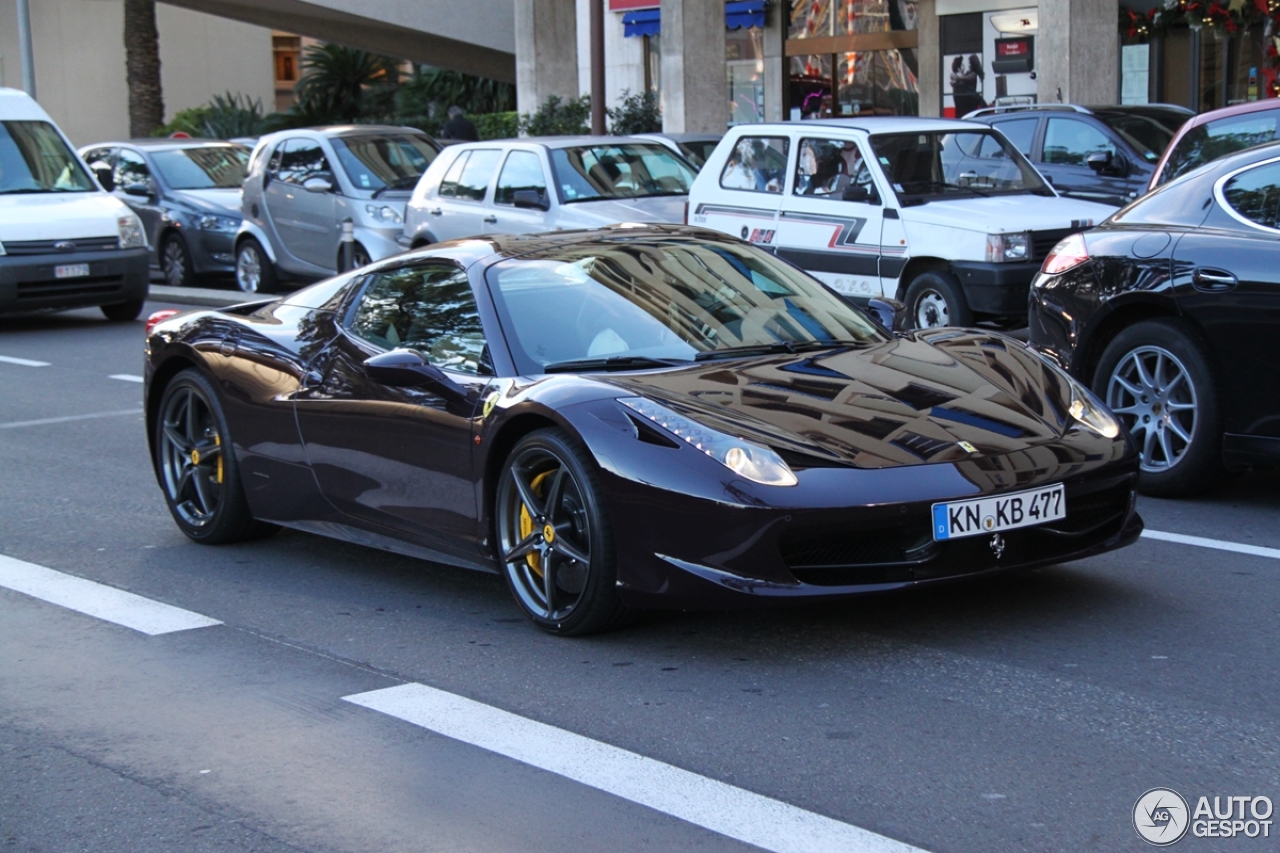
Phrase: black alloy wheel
pixel 553 539
pixel 175 262
pixel 196 469
pixel 935 299
pixel 1155 377
pixel 123 312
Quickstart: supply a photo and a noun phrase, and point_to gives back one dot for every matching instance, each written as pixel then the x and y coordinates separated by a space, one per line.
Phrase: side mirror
pixel 317 185
pixel 408 368
pixel 1100 161
pixel 891 313
pixel 864 193
pixel 138 188
pixel 530 199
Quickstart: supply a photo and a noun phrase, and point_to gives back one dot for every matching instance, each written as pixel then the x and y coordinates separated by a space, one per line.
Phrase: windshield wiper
pixel 790 347
pixel 406 183
pixel 612 362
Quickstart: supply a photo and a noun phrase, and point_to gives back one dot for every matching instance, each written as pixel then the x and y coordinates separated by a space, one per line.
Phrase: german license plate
pixel 957 519
pixel 70 270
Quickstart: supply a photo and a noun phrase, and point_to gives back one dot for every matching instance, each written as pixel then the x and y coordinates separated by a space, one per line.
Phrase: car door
pixel 136 187
pixel 463 194
pixel 1227 280
pixel 521 171
pixel 831 216
pixel 1021 131
pixel 400 457
pixel 1068 144
pixel 750 186
pixel 304 220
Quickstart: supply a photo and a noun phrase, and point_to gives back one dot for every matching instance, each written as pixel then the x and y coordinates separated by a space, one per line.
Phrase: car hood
pixel 913 400
pixel 219 202
pixel 59 216
pixel 1001 214
pixel 665 208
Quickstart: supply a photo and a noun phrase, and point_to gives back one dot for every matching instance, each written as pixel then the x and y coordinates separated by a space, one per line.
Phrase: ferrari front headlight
pixel 1089 412
pixel 755 463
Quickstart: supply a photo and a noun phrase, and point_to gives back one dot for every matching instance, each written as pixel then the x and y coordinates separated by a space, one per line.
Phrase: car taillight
pixel 1070 252
pixel 159 317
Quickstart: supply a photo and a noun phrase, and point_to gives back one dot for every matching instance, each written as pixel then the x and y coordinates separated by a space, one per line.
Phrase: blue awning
pixel 738 15
pixel 744 14
pixel 646 22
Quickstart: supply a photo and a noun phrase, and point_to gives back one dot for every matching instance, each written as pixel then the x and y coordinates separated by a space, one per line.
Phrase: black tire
pixel 175 262
pixel 254 271
pixel 197 474
pixel 123 312
pixel 360 257
pixel 1177 423
pixel 549 483
pixel 935 299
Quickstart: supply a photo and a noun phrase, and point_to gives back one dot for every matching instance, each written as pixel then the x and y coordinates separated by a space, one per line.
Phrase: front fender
pixel 252 229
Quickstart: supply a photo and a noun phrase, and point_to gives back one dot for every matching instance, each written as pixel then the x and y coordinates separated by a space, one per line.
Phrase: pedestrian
pixel 459 128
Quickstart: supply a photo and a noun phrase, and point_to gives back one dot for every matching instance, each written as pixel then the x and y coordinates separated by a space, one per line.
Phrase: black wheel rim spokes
pixel 191 457
pixel 544 534
pixel 1152 392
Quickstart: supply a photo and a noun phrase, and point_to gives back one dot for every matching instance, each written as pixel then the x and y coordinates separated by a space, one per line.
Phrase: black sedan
pixel 1169 310
pixel 637 417
pixel 187 193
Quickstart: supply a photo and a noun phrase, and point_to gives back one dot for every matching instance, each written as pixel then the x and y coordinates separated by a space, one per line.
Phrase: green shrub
pixel 189 121
pixel 557 117
pixel 638 113
pixel 497 125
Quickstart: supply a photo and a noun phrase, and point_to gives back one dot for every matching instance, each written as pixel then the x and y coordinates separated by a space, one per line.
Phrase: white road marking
pixel 1218 544
pixel 24 362
pixel 98 600
pixel 733 812
pixel 125 377
pixel 67 418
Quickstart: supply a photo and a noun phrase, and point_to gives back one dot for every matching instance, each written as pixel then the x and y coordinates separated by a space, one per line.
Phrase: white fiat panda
pixel 946 216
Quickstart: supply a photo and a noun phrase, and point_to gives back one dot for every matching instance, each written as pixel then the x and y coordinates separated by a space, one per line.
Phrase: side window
pixel 1218 139
pixel 273 165
pixel 522 171
pixel 449 184
pixel 757 164
pixel 825 167
pixel 1255 195
pixel 130 169
pixel 476 175
pixel 303 159
pixel 1020 131
pixel 1069 142
pixel 426 307
pixel 99 160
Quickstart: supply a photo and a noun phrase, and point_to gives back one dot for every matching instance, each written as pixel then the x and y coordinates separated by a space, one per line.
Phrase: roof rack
pixel 1014 108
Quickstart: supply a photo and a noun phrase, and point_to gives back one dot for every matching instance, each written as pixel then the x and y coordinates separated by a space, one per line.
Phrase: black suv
pixel 1102 154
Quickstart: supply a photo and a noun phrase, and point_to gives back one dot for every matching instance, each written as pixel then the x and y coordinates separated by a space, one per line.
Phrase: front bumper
pixel 28 282
pixel 996 288
pixel 379 242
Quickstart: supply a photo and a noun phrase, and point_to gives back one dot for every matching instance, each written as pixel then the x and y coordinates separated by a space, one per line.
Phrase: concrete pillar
pixel 929 59
pixel 546 51
pixel 1078 52
pixel 694 92
pixel 775 64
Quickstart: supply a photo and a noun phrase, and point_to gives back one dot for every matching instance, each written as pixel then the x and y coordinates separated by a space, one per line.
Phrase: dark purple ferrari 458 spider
pixel 635 417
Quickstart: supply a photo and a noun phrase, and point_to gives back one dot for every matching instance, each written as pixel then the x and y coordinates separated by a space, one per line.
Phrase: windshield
pixel 34 159
pixel 205 168
pixel 924 167
pixel 631 170
pixel 1148 132
pixel 1215 139
pixel 698 152
pixel 671 300
pixel 385 161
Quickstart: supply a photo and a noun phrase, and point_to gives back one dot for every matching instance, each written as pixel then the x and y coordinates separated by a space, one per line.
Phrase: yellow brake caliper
pixel 526 522
pixel 217 440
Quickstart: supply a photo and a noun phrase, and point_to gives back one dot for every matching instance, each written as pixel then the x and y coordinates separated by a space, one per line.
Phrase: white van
pixel 64 242
pixel 946 216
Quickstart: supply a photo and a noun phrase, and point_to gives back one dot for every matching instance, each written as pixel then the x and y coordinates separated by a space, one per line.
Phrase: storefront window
pixel 744 68
pixel 878 82
pixel 810 89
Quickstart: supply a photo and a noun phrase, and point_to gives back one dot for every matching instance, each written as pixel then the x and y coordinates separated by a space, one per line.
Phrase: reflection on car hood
pixel 909 401
pixel 220 202
pixel 59 216
pixel 663 208
pixel 1005 213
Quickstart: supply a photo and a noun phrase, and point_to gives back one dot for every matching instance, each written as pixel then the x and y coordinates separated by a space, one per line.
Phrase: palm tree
pixel 346 84
pixel 142 67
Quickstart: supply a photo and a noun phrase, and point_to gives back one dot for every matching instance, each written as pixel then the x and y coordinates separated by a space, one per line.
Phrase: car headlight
pixel 1090 413
pixel 752 461
pixel 383 213
pixel 131 233
pixel 1003 248
pixel 226 224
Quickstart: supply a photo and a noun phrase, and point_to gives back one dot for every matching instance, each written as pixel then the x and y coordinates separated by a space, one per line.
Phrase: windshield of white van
pixel 924 167
pixel 34 159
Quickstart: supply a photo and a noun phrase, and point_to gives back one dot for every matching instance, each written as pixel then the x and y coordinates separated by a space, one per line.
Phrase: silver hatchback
pixel 304 185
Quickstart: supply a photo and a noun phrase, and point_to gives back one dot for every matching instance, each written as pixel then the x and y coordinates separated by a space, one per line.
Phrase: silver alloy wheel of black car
pixel 192 466
pixel 174 262
pixel 1155 397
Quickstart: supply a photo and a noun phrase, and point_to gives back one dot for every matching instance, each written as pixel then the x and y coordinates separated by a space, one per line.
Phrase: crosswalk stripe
pixel 1217 544
pixel 69 418
pixel 22 362
pixel 97 600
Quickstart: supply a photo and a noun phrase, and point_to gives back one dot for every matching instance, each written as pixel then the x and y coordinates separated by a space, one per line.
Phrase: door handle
pixel 1213 280
pixel 491 219
pixel 435 211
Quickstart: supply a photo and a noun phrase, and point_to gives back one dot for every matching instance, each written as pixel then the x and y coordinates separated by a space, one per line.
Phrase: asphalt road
pixel 1026 712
